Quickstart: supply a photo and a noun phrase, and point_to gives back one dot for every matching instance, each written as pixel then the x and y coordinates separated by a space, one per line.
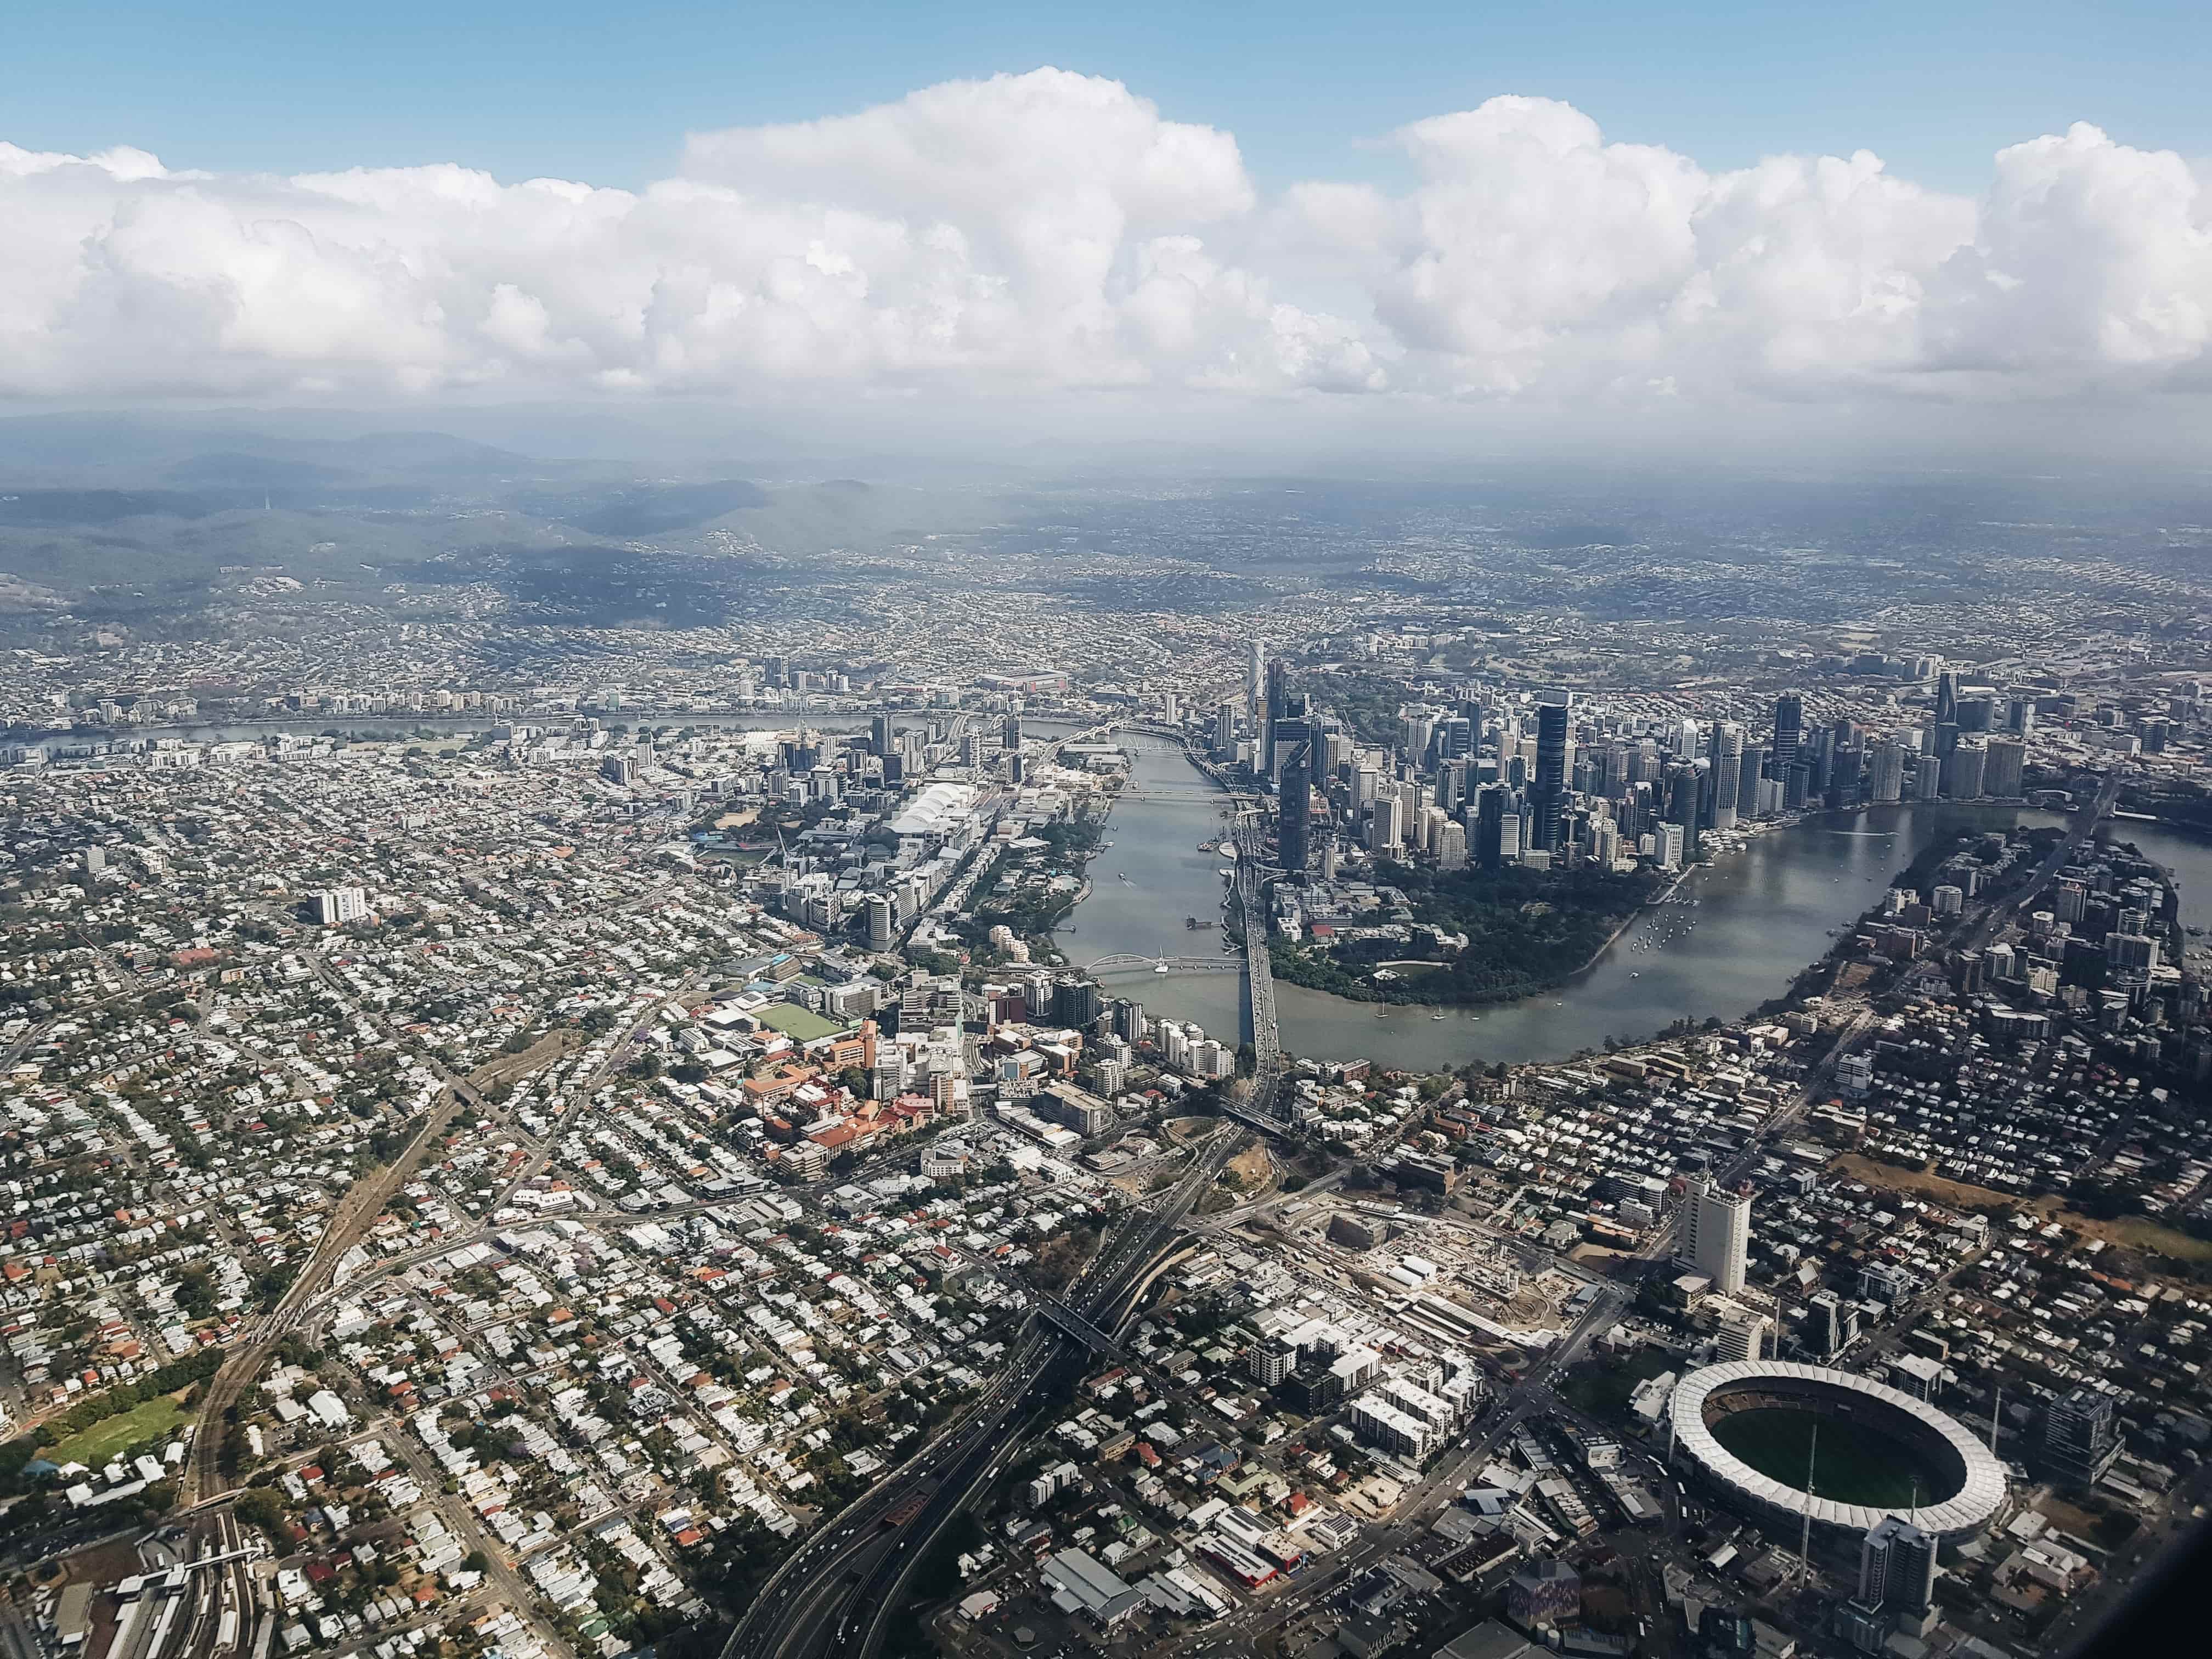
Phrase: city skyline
pixel 1319 834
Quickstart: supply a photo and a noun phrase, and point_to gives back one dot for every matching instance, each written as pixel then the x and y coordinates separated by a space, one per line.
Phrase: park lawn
pixel 798 1023
pixel 98 1446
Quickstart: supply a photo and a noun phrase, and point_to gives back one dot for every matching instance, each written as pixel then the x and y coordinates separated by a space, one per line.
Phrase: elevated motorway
pixel 843 1592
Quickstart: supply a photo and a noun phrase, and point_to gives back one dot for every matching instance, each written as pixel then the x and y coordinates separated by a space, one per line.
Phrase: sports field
pixel 1855 1464
pixel 96 1445
pixel 798 1023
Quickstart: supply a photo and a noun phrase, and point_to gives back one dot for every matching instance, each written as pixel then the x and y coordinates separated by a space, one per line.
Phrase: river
pixel 1761 915
pixel 2185 853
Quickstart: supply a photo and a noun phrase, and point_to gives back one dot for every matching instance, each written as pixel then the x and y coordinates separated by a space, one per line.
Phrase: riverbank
pixel 1410 977
pixel 1765 909
pixel 1739 844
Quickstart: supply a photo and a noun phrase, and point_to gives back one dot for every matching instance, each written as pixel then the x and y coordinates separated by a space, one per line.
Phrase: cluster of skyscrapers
pixel 1494 779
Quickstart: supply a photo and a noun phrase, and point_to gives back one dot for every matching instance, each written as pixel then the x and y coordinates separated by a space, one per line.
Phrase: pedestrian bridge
pixel 1215 964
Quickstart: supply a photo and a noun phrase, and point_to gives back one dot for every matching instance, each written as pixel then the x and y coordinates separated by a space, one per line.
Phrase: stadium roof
pixel 1970 1507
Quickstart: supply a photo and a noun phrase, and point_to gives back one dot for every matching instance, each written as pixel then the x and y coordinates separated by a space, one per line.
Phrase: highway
pixel 839 1593
pixel 843 1591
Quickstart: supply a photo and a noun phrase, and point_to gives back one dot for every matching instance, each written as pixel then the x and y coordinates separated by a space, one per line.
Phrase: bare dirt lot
pixel 2123 1232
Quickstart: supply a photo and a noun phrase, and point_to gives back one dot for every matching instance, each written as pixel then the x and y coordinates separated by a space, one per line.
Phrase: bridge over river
pixel 1122 964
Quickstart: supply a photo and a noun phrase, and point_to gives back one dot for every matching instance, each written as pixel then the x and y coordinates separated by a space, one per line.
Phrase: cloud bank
pixel 1053 233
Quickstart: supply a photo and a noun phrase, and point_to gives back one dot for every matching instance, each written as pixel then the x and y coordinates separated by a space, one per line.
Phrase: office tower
pixel 1451 847
pixel 1255 669
pixel 1977 713
pixel 1815 753
pixel 1962 773
pixel 2020 717
pixel 1510 841
pixel 1076 1002
pixel 1897 1568
pixel 1824 1323
pixel 1726 754
pixel 1289 728
pixel 1278 688
pixel 1451 784
pixel 1290 733
pixel 1927 777
pixel 1846 774
pixel 881 737
pixel 1604 844
pixel 1741 1335
pixel 1684 798
pixel 2070 901
pixel 1789 735
pixel 1716 1231
pixel 1386 831
pixel 2003 768
pixel 881 918
pixel 1010 733
pixel 1224 729
pixel 1490 804
pixel 1424 829
pixel 1748 802
pixel 1667 846
pixel 1888 769
pixel 2080 1440
pixel 1129 1019
pixel 1295 816
pixel 2136 953
pixel 1946 698
pixel 1547 795
pixel 1607 769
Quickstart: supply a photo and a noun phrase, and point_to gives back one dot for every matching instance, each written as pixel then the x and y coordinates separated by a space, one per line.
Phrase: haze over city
pixel 1303 833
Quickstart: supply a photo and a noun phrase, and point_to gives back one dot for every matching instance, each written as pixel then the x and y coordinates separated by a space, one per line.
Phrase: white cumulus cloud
pixel 1055 232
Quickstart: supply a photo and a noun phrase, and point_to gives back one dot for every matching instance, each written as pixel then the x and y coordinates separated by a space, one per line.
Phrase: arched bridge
pixel 1216 964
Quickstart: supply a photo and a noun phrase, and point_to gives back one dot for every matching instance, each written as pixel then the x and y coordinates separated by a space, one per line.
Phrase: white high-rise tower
pixel 1716 1232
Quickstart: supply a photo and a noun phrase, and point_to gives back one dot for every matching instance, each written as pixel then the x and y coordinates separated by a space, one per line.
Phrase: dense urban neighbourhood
pixel 531 1137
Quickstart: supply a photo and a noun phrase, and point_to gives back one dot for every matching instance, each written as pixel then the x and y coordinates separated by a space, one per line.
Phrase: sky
pixel 606 93
pixel 1571 208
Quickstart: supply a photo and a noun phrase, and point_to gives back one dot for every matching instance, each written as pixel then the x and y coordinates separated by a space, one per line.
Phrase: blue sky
pixel 1198 206
pixel 605 94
